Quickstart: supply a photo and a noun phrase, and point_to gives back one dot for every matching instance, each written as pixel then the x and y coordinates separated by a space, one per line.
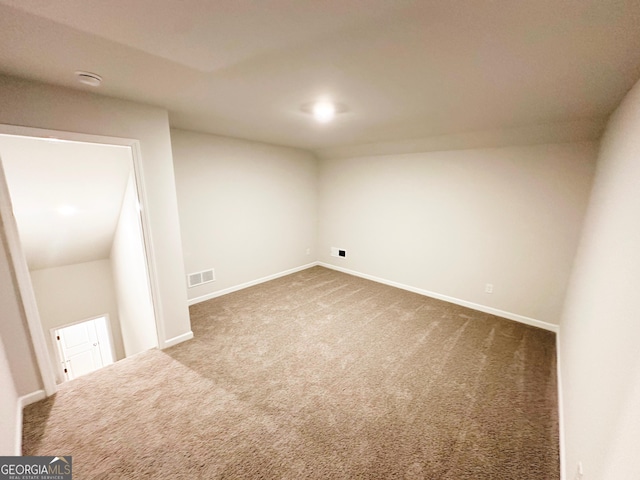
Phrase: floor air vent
pixel 198 278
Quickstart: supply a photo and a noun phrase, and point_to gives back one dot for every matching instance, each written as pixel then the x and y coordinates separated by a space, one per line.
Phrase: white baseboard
pixel 30 398
pixel 475 306
pixel 179 339
pixel 563 475
pixel 494 311
pixel 219 293
pixel 18 447
pixel 23 401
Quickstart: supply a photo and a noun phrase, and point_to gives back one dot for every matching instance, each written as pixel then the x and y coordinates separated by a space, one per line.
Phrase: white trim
pixel 22 402
pixel 511 316
pixel 179 339
pixel 22 277
pixel 18 260
pixel 475 306
pixel 149 250
pixel 18 439
pixel 59 369
pixel 561 432
pixel 32 397
pixel 242 286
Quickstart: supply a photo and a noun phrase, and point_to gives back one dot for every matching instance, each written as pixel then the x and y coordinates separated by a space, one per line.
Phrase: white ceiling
pixel 406 69
pixel 45 176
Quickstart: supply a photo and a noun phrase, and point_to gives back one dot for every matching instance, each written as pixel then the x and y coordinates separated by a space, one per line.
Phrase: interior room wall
pixel 247 209
pixel 38 105
pixel 600 364
pixel 73 293
pixel 450 222
pixel 13 326
pixel 8 406
pixel 135 307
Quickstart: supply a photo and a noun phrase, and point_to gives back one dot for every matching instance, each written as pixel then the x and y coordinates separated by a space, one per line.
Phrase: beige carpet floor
pixel 317 375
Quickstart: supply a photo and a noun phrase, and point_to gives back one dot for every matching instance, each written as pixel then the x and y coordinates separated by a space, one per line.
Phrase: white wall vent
pixel 207 276
pixel 198 278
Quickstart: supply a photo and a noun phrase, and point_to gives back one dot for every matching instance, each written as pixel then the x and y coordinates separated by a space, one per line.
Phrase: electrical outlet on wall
pixel 579 472
pixel 488 288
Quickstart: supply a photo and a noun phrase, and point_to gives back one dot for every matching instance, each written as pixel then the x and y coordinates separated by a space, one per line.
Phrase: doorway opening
pixel 43 283
pixel 83 347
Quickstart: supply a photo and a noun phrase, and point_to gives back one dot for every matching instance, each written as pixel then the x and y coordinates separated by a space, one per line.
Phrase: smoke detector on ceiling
pixel 88 78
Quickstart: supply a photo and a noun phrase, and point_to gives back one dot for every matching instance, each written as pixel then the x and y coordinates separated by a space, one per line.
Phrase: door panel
pixel 80 348
pixel 81 364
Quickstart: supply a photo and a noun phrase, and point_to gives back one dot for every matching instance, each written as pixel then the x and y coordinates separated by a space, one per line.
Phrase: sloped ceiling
pixel 66 197
pixel 405 69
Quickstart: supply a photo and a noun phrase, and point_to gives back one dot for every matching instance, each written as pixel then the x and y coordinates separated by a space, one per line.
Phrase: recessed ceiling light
pixel 323 110
pixel 89 78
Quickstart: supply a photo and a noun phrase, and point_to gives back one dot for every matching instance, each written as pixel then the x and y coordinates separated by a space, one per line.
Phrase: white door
pixel 83 347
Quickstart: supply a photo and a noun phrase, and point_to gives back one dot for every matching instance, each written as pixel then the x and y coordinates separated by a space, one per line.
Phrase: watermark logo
pixel 35 468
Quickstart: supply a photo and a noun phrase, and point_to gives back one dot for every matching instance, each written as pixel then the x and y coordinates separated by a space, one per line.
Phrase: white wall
pixel 11 320
pixel 12 323
pixel 449 222
pixel 131 280
pixel 9 407
pixel 13 343
pixel 37 105
pixel 13 326
pixel 73 293
pixel 600 329
pixel 247 209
